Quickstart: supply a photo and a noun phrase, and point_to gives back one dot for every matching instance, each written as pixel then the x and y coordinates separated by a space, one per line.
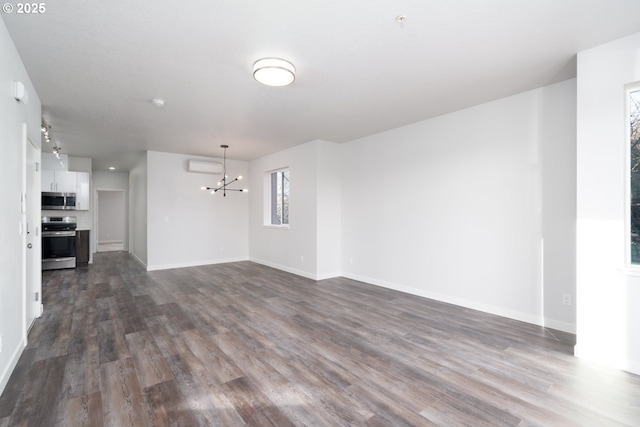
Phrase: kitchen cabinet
pixel 82 248
pixel 82 191
pixel 69 182
pixel 60 181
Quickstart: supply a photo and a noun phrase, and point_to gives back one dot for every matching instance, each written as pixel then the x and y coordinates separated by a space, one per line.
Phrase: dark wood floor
pixel 242 344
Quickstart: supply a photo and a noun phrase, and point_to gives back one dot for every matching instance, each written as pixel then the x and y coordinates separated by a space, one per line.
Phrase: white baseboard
pixel 560 326
pixel 284 268
pixel 633 366
pixel 194 263
pixel 487 308
pixel 8 370
pixel 596 356
pixel 474 305
pixel 325 276
pixel 142 263
pixel 302 273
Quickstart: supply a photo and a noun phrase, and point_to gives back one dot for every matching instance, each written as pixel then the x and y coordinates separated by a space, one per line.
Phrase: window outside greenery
pixel 634 141
pixel 280 197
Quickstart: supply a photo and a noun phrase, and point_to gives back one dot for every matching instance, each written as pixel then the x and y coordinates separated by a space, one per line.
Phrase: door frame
pixel 31 211
pixel 96 217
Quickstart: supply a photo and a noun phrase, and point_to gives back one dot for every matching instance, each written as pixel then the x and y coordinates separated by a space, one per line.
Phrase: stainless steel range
pixel 58 242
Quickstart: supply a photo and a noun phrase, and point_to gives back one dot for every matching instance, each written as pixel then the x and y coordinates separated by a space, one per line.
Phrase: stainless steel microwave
pixel 58 201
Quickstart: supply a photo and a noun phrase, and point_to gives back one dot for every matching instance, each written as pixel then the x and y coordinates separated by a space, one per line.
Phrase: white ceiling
pixel 97 64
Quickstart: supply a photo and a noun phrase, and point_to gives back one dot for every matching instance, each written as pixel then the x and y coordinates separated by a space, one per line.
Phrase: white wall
pixel 103 180
pixel 608 317
pixel 12 277
pixel 460 207
pixel 111 216
pixel 187 226
pixel 138 210
pixel 329 209
pixel 310 246
pixel 557 151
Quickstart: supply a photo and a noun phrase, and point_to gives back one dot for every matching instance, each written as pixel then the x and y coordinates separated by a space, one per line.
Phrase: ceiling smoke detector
pixel 157 102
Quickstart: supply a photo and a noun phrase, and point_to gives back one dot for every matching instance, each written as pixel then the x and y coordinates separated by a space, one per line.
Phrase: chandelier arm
pixel 223 184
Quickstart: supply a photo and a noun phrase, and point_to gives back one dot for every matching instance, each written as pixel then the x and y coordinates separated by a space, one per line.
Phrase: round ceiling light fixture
pixel 274 72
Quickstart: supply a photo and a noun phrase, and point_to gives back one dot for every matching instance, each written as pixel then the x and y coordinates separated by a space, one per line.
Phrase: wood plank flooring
pixel 242 344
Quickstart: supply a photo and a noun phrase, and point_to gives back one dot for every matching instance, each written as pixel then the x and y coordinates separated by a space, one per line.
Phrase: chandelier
pixel 223 185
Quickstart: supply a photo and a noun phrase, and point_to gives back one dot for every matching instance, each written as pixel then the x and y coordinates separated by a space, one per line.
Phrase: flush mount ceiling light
pixel 274 72
pixel 223 184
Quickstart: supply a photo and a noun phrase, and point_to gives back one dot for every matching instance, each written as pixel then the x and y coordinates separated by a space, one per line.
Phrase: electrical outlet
pixel 301 258
pixel 566 299
pixel 1 342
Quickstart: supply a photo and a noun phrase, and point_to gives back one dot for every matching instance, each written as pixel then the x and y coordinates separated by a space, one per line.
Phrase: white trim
pixel 633 366
pixel 23 224
pixel 462 302
pixel 8 370
pixel 312 276
pixel 194 263
pixel 629 268
pixel 628 365
pixel 325 276
pixel 284 268
pixel 630 271
pixel 560 326
pixel 266 198
pixel 95 219
pixel 138 259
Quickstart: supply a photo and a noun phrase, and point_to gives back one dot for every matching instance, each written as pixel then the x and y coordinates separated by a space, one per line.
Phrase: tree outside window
pixel 634 133
pixel 279 200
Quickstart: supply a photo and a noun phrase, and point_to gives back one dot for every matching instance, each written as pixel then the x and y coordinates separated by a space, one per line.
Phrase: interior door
pixel 33 291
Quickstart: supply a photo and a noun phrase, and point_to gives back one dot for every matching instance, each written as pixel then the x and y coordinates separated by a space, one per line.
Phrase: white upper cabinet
pixel 60 181
pixel 48 178
pixel 56 178
pixel 82 191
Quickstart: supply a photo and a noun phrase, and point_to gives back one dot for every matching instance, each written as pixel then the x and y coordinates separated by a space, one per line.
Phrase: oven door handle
pixel 63 259
pixel 58 233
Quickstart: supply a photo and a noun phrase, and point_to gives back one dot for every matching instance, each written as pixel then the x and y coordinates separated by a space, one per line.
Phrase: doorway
pixel 111 220
pixel 32 220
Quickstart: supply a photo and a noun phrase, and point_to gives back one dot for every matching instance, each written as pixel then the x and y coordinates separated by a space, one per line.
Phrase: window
pixel 634 174
pixel 277 201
